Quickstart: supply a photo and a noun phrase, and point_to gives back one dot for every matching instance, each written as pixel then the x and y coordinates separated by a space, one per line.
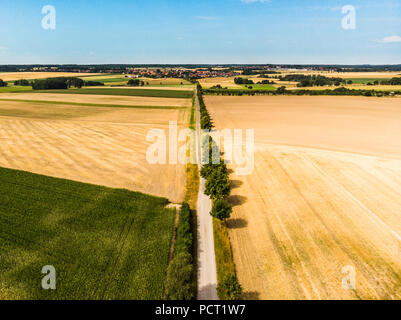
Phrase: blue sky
pixel 202 31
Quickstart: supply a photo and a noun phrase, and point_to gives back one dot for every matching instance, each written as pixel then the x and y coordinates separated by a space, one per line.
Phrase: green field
pixel 9 89
pixel 365 80
pixel 266 87
pixel 110 80
pixel 125 92
pixel 104 243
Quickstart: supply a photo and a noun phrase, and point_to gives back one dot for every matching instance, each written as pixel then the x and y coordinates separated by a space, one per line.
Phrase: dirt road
pixel 207 276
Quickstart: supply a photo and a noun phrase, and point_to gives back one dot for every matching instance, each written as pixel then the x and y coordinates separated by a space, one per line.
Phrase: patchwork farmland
pixel 324 195
pixel 94 144
pixel 76 204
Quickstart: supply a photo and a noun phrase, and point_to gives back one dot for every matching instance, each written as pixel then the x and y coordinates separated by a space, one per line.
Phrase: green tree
pixel 21 82
pixel 217 185
pixel 3 83
pixel 209 168
pixel 229 288
pixel 133 82
pixel 221 209
pixel 206 122
pixel 281 90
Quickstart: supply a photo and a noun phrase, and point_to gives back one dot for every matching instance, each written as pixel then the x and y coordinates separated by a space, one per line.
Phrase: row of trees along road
pixel 218 188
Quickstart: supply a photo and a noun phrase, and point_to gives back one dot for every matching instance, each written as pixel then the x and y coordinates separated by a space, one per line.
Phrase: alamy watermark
pixel 49 280
pixel 349 20
pixel 166 150
pixel 49 20
pixel 349 280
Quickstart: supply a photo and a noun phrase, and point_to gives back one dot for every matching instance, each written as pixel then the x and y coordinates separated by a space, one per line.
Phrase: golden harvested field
pixel 97 77
pixel 100 145
pixel 99 99
pixel 224 82
pixel 166 81
pixel 9 76
pixel 325 194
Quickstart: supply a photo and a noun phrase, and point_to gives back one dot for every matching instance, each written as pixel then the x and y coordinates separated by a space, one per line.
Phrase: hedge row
pixel 180 282
pixel 205 119
pixel 282 91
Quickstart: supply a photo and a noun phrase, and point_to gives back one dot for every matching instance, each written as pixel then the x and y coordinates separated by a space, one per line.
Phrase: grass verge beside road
pixel 222 247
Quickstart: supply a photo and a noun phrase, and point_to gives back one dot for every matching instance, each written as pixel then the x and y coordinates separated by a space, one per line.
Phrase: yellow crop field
pixel 100 145
pixel 99 99
pixel 323 199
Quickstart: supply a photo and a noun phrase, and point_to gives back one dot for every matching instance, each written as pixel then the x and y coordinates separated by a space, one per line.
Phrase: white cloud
pixel 391 39
pixel 253 1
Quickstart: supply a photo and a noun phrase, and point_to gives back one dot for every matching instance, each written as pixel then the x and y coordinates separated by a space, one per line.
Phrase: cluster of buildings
pixel 197 73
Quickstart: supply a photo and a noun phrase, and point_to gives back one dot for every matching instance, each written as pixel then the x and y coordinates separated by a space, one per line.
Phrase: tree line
pixel 245 81
pixel 218 188
pixel 136 83
pixel 392 82
pixel 240 80
pixel 180 282
pixel 341 91
pixel 57 83
pixel 312 80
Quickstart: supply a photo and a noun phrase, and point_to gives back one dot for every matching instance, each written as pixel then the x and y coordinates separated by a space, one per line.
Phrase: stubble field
pixel 95 144
pixel 324 195
pixel 97 99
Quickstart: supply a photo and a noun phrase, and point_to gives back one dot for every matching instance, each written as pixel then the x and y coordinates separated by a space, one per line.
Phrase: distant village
pixel 181 73
pixel 190 71
pixel 184 73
